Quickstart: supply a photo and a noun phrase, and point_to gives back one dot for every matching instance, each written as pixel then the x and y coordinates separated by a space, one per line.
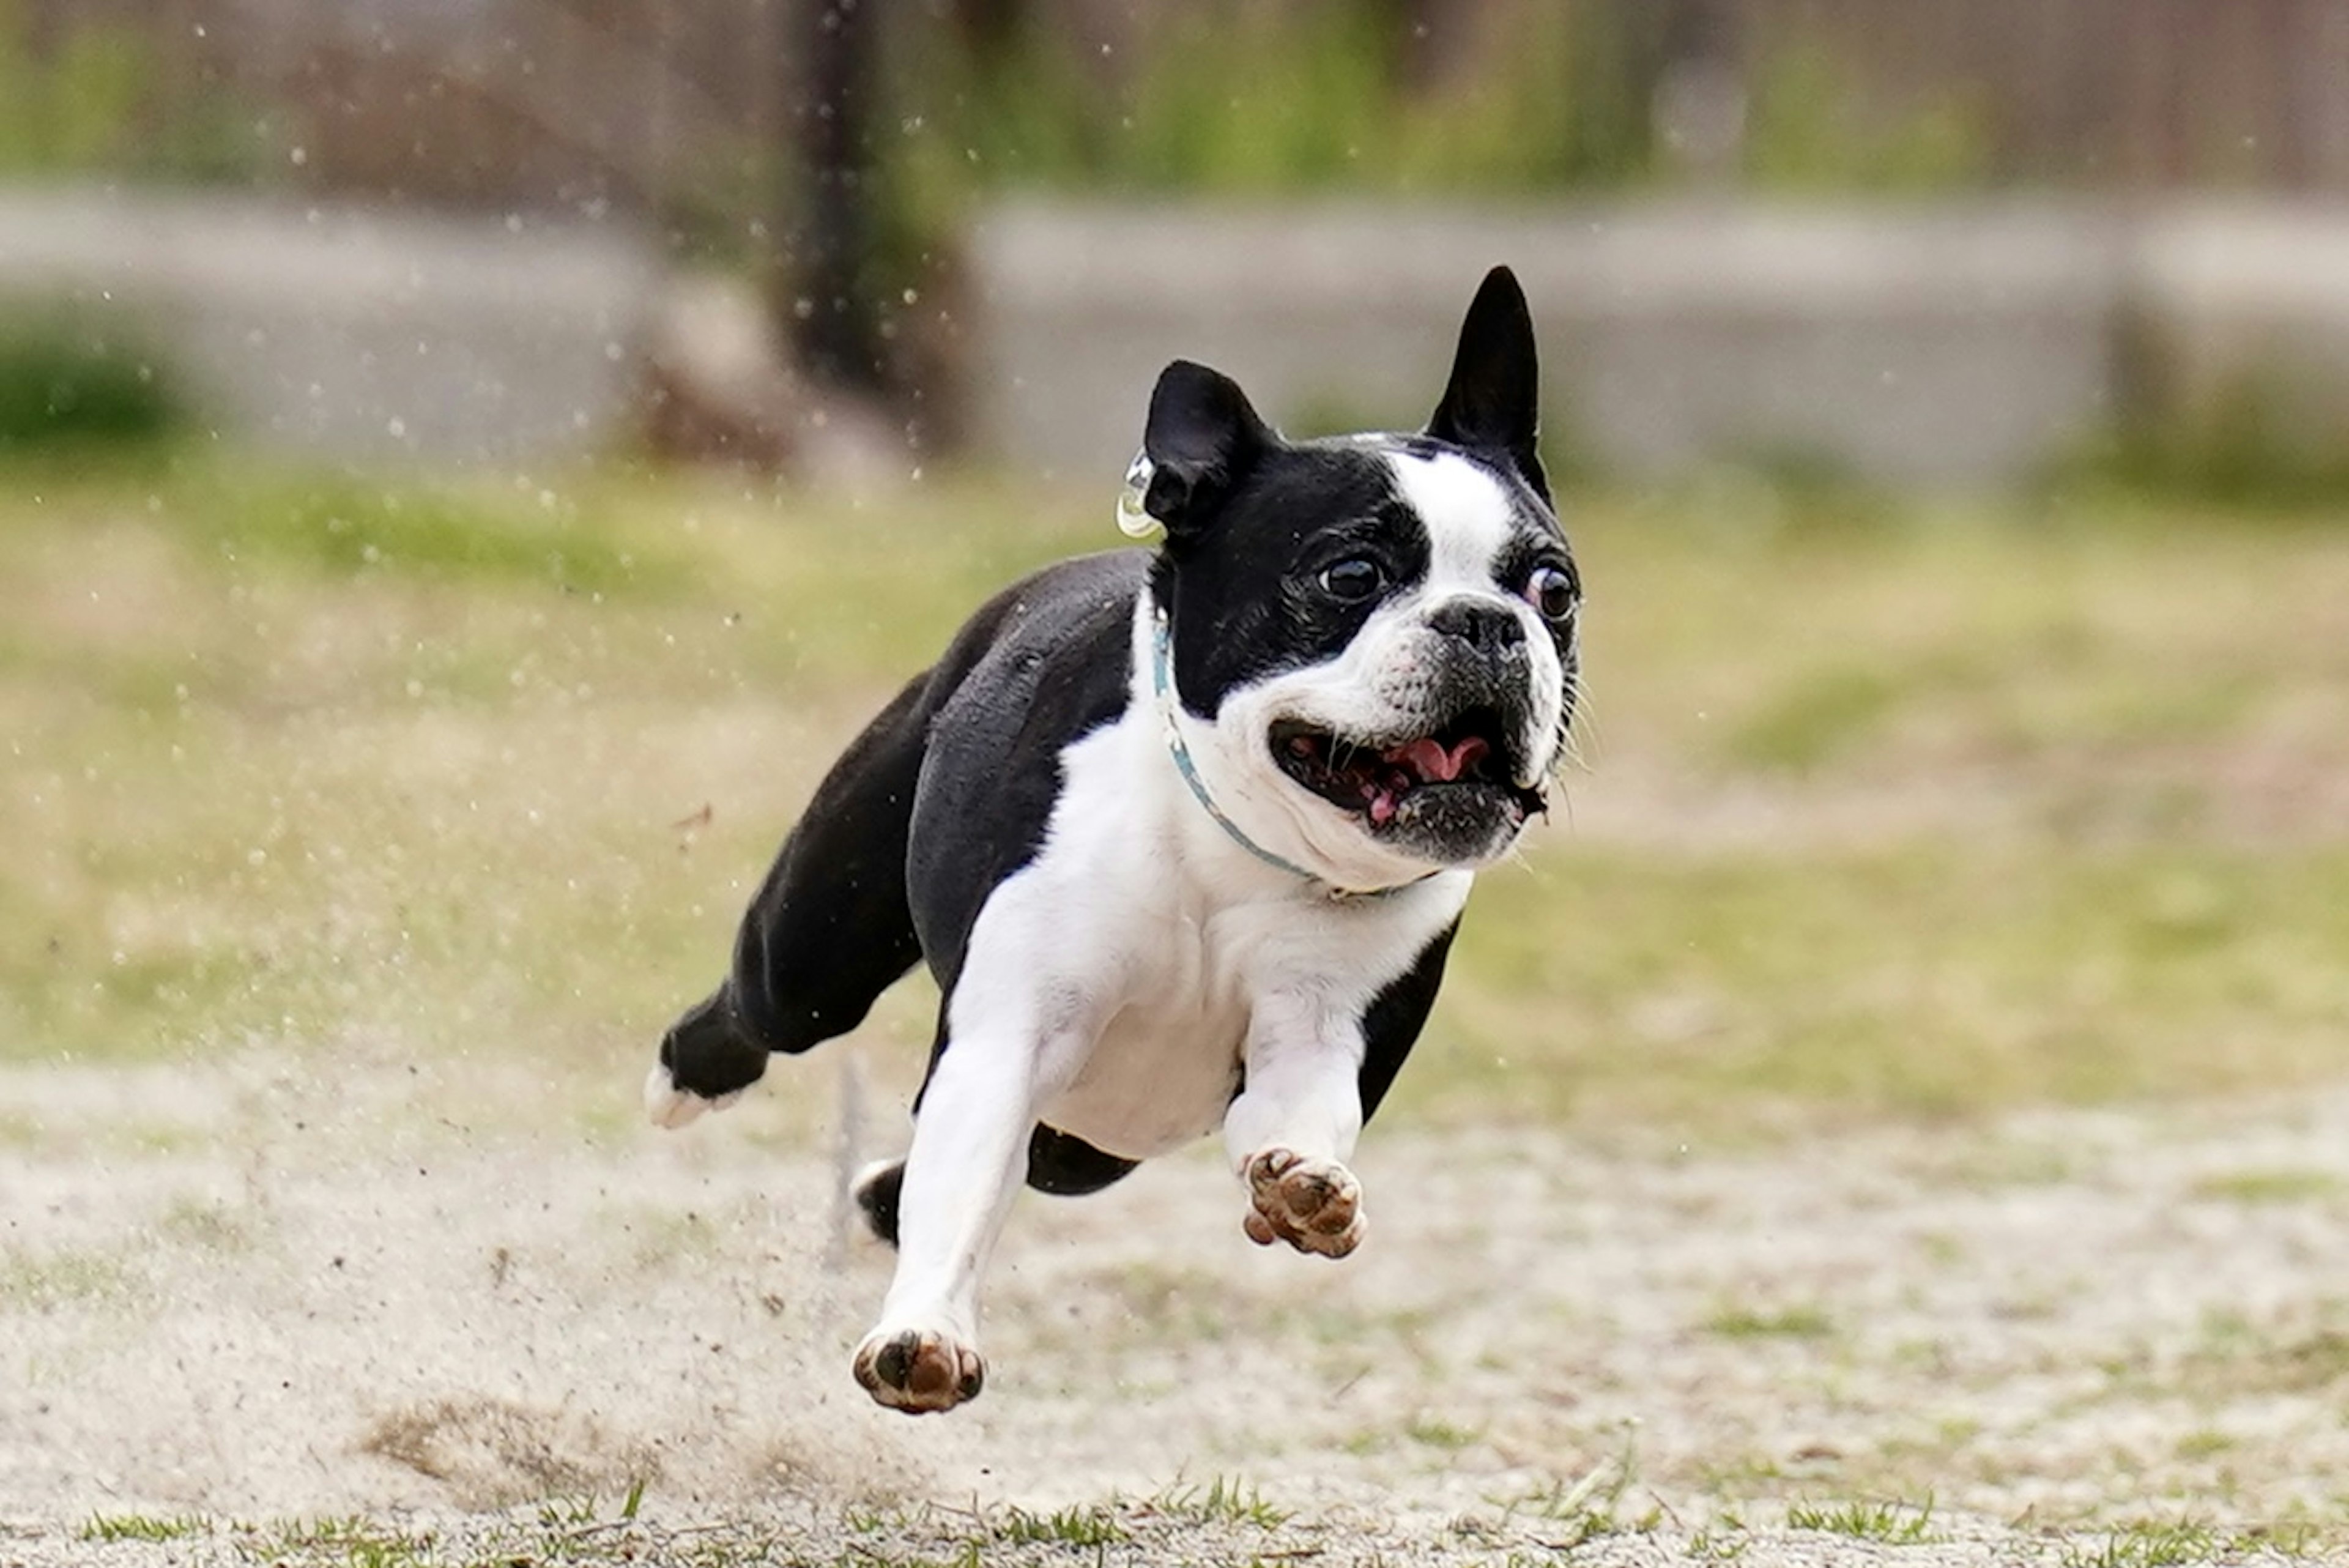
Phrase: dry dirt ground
pixel 237 1303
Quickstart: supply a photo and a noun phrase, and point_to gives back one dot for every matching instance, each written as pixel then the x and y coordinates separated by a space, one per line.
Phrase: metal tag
pixel 1132 521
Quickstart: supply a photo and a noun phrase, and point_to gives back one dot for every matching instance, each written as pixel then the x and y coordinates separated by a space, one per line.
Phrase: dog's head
pixel 1373 638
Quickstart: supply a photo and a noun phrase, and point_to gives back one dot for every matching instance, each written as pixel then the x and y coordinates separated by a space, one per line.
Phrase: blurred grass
pixel 1893 811
pixel 96 98
pixel 75 385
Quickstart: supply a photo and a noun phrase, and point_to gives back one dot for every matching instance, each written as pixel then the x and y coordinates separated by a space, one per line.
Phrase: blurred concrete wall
pixel 1962 346
pixel 349 332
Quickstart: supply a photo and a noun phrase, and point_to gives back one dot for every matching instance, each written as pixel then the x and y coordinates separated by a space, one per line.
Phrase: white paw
pixel 671 1107
pixel 1314 1205
pixel 918 1370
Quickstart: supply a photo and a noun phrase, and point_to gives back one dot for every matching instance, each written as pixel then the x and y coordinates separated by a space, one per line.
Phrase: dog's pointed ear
pixel 1493 402
pixel 1202 437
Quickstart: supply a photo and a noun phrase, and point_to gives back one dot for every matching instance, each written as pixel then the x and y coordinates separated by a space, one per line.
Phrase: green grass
pixel 2153 1543
pixel 1890 813
pixel 1891 1524
pixel 65 1280
pixel 351 1542
pixel 1573 1514
pixel 1093 1526
pixel 143 1527
pixel 1785 1322
pixel 2269 1185
pixel 77 386
pixel 1223 1500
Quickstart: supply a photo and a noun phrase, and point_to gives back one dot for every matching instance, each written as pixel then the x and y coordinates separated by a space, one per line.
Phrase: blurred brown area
pixel 540 102
pixel 832 161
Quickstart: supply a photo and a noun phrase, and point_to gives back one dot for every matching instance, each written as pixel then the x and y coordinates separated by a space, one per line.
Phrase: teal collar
pixel 1162 682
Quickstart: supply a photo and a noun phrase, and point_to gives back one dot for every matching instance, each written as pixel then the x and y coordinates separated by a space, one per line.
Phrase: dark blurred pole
pixel 827 278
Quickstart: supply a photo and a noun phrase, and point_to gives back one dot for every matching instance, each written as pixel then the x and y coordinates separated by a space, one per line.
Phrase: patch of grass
pixel 1074 1526
pixel 87 101
pixel 2305 1361
pixel 343 523
pixel 1161 1301
pixel 348 1540
pixel 1435 1432
pixel 1824 715
pixel 1740 1322
pixel 1921 979
pixel 2269 1185
pixel 1593 1506
pixel 2151 1543
pixel 1893 1524
pixel 63 1279
pixel 1223 1500
pixel 79 388
pixel 2247 444
pixel 210 1226
pixel 144 1527
pixel 1724 1539
pixel 2203 1443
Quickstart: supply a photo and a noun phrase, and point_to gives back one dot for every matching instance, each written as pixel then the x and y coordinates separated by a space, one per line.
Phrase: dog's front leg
pixel 1291 1130
pixel 969 1152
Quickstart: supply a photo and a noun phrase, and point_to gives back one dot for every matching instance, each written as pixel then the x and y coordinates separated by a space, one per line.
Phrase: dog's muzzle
pixel 1451 784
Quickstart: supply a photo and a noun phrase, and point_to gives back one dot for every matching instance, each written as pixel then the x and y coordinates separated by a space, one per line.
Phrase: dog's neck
pixel 1179 751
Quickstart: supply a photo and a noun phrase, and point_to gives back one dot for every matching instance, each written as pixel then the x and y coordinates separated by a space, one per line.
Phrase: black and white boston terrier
pixel 1184 832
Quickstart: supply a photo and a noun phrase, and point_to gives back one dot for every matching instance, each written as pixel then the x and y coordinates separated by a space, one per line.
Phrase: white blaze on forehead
pixel 1469 517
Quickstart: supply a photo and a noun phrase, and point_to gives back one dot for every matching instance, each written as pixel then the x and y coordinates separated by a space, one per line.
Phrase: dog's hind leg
pixel 829 931
pixel 1058 1163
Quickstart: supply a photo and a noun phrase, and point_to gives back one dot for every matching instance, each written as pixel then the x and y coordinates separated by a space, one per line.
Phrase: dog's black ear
pixel 1493 402
pixel 1202 437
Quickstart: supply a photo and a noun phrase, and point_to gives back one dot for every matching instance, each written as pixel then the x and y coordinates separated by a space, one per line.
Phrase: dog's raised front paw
pixel 1314 1205
pixel 671 1107
pixel 918 1370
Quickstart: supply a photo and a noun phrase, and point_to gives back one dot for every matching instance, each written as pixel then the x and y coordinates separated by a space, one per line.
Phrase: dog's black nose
pixel 1489 628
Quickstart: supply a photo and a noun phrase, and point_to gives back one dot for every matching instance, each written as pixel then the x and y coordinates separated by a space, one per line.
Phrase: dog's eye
pixel 1352 580
pixel 1552 592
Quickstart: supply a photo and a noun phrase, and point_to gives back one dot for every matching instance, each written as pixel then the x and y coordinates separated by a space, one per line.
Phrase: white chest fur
pixel 1142 947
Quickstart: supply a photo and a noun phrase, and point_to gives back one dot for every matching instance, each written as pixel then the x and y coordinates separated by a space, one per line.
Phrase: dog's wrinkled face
pixel 1374 637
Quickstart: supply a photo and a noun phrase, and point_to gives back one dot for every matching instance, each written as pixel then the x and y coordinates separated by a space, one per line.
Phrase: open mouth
pixel 1469 760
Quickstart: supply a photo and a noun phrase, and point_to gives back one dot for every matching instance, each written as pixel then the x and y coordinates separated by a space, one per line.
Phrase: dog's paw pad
pixel 669 1107
pixel 918 1370
pixel 1314 1205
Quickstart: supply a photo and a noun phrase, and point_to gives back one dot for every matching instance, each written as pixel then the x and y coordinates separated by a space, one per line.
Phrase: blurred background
pixel 1929 245
pixel 465 465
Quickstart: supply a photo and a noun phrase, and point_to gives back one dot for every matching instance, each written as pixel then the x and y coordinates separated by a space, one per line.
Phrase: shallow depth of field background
pixel 1899 803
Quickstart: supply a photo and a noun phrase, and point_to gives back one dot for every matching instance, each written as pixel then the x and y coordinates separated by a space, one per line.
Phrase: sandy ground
pixel 252 1294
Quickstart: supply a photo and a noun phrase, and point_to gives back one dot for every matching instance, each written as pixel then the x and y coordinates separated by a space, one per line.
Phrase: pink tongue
pixel 1434 762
